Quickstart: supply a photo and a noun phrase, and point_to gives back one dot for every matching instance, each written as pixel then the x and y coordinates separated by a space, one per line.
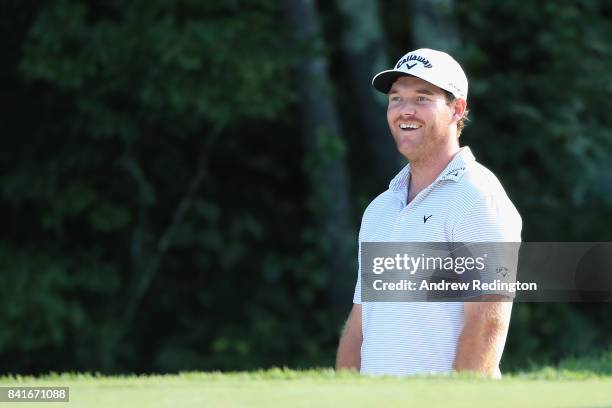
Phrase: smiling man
pixel 442 195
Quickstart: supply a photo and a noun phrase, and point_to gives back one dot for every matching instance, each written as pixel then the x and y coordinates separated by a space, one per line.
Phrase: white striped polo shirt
pixel 466 203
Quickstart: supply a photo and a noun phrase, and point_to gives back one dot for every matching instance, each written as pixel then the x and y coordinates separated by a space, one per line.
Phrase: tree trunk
pixel 363 41
pixel 324 148
pixel 433 25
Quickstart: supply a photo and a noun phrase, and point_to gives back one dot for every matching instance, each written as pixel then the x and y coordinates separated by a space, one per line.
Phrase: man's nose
pixel 407 108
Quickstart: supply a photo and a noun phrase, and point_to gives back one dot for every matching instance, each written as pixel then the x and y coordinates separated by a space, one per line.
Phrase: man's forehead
pixel 409 82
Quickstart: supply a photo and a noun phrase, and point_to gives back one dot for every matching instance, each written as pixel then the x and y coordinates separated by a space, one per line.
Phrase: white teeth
pixel 409 126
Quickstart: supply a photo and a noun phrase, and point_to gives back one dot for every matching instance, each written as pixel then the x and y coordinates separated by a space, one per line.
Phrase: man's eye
pixel 395 99
pixel 422 99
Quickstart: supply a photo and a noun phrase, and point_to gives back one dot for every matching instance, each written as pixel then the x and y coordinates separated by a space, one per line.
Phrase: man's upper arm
pixel 491 219
pixel 493 226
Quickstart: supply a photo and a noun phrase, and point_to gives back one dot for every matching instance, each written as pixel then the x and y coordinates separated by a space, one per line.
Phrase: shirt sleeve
pixel 493 227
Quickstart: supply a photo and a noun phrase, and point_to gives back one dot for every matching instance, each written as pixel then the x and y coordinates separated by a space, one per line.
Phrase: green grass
pixel 574 383
pixel 324 388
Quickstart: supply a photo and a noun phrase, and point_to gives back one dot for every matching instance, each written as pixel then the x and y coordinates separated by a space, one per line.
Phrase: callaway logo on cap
pixel 436 67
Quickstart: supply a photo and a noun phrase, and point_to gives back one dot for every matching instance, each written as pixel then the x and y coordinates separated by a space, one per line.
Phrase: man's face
pixel 419 118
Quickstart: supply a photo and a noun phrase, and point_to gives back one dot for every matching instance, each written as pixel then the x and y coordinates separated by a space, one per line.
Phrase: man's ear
pixel 458 109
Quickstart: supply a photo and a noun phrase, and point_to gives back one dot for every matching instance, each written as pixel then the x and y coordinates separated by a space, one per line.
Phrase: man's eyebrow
pixel 419 91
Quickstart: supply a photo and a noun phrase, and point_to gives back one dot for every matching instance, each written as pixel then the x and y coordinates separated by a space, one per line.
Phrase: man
pixel 442 195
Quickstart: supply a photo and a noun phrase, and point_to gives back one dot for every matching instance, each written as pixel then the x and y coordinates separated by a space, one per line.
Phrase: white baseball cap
pixel 436 67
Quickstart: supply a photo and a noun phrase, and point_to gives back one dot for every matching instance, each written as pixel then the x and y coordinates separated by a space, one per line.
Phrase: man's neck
pixel 424 172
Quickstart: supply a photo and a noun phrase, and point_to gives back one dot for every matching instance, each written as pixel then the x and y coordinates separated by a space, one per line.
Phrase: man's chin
pixel 409 151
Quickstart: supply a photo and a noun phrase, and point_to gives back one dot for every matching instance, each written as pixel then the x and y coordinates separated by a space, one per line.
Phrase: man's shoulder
pixel 382 203
pixel 479 190
pixel 487 208
pixel 480 182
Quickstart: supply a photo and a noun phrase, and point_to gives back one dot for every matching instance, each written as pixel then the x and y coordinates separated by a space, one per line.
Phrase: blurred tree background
pixel 182 181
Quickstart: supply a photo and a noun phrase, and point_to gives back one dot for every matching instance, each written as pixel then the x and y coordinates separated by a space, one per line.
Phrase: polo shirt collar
pixel 458 166
pixel 453 171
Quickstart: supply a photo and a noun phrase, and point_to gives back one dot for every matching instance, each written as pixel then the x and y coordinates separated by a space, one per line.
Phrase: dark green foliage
pixel 539 98
pixel 541 83
pixel 157 214
pixel 140 196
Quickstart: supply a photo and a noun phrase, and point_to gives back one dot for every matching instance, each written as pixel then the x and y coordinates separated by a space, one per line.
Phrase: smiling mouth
pixel 409 126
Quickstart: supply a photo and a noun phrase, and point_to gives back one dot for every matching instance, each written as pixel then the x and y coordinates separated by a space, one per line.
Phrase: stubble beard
pixel 432 140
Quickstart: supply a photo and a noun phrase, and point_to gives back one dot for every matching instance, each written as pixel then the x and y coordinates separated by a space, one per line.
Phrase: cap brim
pixel 385 79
